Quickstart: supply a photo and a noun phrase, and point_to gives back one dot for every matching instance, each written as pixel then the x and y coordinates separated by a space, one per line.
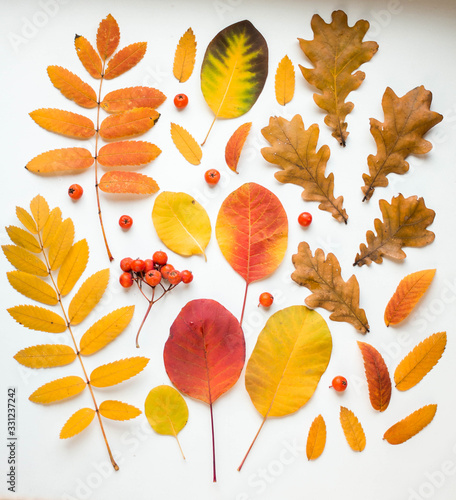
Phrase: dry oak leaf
pixel 407 119
pixel 128 123
pixel 184 57
pixel 127 183
pixel 353 431
pixel 404 225
pixel 132 97
pixel 108 37
pixel 125 59
pixel 186 144
pixel 233 148
pixel 336 51
pixel 72 87
pixel 322 276
pixel 316 439
pixel 58 161
pixel 411 425
pixel 284 81
pixel 64 122
pixel 88 56
pixel 125 153
pixel 293 149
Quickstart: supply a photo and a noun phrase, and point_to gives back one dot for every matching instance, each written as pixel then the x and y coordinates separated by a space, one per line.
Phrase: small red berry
pixel 153 277
pixel 266 299
pixel 166 269
pixel 174 277
pixel 75 191
pixel 212 176
pixel 126 280
pixel 160 258
pixel 138 266
pixel 149 265
pixel 180 101
pixel 125 264
pixel 125 222
pixel 305 219
pixel 187 276
pixel 339 383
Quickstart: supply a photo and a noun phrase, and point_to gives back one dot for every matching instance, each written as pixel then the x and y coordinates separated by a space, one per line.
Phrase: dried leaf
pixel 64 122
pixel 116 410
pixel 132 97
pixel 128 123
pixel 121 154
pixel 26 219
pixel 235 144
pixel 407 294
pixel 118 371
pixel 25 261
pixel 186 144
pixel 420 361
pixel 322 276
pixel 73 266
pixel 88 296
pixel 284 81
pixel 184 57
pixel 46 356
pixel 316 440
pixel 23 238
pixel 353 431
pixel 407 119
pixel 59 161
pixel 411 425
pixel 377 375
pixel 72 87
pixel 77 423
pixel 50 228
pixel 32 287
pixel 88 57
pixel 127 182
pixel 40 211
pixel 293 149
pixel 61 244
pixel 125 59
pixel 38 318
pixel 404 225
pixel 336 51
pixel 57 390
pixel 108 37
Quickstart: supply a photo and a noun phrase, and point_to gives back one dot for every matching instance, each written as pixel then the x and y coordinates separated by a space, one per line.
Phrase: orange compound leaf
pixel 120 154
pixel 129 123
pixel 64 122
pixel 235 144
pixel 132 97
pixel 88 56
pixel 410 426
pixel 378 378
pixel 407 294
pixel 58 390
pixel 353 430
pixel 72 87
pixel 316 439
pixel 59 161
pixel 125 59
pixel 108 37
pixel 127 182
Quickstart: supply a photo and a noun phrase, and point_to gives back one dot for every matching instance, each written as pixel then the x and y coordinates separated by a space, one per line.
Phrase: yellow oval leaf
pixel 116 410
pixel 184 57
pixel 38 318
pixel 64 122
pixel 353 431
pixel 186 144
pixel 40 211
pixel 63 160
pixel 88 57
pixel 73 266
pixel 51 226
pixel 77 423
pixel 316 439
pixel 23 238
pixel 25 261
pixel 166 410
pixel 411 425
pixel 26 219
pixel 125 59
pixel 284 81
pixel 57 390
pixel 127 183
pixel 118 371
pixel 61 244
pixel 32 287
pixel 46 356
pixel 128 123
pixel 181 223
pixel 72 87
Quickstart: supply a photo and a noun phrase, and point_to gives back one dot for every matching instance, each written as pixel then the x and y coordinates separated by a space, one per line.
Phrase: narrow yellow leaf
pixel 61 244
pixel 40 211
pixel 316 439
pixel 32 287
pixel 186 144
pixel 285 81
pixel 25 261
pixel 77 422
pixel 57 390
pixel 116 410
pixel 46 356
pixel 411 425
pixel 184 57
pixel 420 361
pixel 118 371
pixel 105 330
pixel 26 219
pixel 51 226
pixel 73 267
pixel 88 296
pixel 354 433
pixel 23 238
pixel 38 318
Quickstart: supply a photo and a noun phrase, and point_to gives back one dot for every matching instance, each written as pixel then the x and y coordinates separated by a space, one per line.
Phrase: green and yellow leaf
pixel 127 183
pixel 88 296
pixel 77 423
pixel 72 87
pixel 32 287
pixel 26 219
pixel 125 59
pixel 23 238
pixel 73 266
pixel 64 122
pixel 64 160
pixel 61 244
pixel 38 318
pixel 121 154
pixel 118 371
pixel 46 356
pixel 25 261
pixel 284 81
pixel 57 390
pixel 184 57
pixel 88 56
pixel 40 211
pixel 117 410
pixel 186 144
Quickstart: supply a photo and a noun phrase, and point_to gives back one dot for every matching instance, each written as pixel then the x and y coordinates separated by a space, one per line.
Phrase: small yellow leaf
pixel 411 425
pixel 25 261
pixel 116 410
pixel 77 422
pixel 186 144
pixel 57 390
pixel 23 238
pixel 73 266
pixel 316 439
pixel 184 57
pixel 26 219
pixel 40 211
pixel 354 433
pixel 38 318
pixel 32 287
pixel 61 244
pixel 285 81
pixel 88 296
pixel 51 226
pixel 118 371
pixel 46 356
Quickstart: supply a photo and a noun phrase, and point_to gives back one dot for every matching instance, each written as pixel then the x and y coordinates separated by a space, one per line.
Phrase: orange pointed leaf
pixel 184 57
pixel 129 123
pixel 411 425
pixel 316 439
pixel 125 59
pixel 186 144
pixel 72 87
pixel 46 356
pixel 88 56
pixel 118 371
pixel 117 410
pixel 127 182
pixel 77 423
pixel 57 390
pixel 108 37
pixel 284 81
pixel 61 161
pixel 121 154
pixel 235 144
pixel 132 97
pixel 353 431
pixel 64 122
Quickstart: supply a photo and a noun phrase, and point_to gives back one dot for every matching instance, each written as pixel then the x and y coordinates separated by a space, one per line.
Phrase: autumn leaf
pixel 118 371
pixel 377 375
pixel 125 59
pixel 79 421
pixel 46 356
pixel 184 57
pixel 132 97
pixel 88 57
pixel 64 122
pixel 59 161
pixel 24 261
pixel 108 37
pixel 117 410
pixel 124 153
pixel 38 318
pixel 32 287
pixel 322 276
pixel 40 211
pixel 73 266
pixel 233 148
pixel 420 361
pixel 72 87
pixel 57 390
pixel 407 294
pixel 353 431
pixel 27 220
pixel 61 244
pixel 294 150
pixel 88 296
pixel 23 238
pixel 316 439
pixel 410 426
pixel 51 227
pixel 407 119
pixel 284 81
pixel 336 51
pixel 128 123
pixel 127 183
pixel 186 144
pixel 404 225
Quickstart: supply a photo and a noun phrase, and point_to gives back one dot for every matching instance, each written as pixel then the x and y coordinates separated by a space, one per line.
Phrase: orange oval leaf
pixel 77 423
pixel 411 425
pixel 125 59
pixel 120 154
pixel 235 144
pixel 108 37
pixel 184 57
pixel 132 97
pixel 72 87
pixel 60 161
pixel 64 122
pixel 129 123
pixel 88 57
pixel 353 431
pixel 127 182
pixel 316 440
pixel 284 81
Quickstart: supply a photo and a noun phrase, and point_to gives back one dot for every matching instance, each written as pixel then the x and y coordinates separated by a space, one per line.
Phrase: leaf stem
pixel 214 479
pixel 245 300
pixel 209 131
pixel 151 303
pixel 253 442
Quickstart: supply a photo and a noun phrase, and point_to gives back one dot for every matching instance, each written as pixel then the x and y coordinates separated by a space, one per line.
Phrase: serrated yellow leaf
pixel 316 439
pixel 353 431
pixel 77 423
pixel 186 144
pixel 72 87
pixel 411 425
pixel 51 226
pixel 32 287
pixel 125 59
pixel 118 371
pixel 40 211
pixel 420 361
pixel 57 390
pixel 26 219
pixel 25 261
pixel 88 57
pixel 73 266
pixel 23 238
pixel 105 330
pixel 88 296
pixel 38 318
pixel 284 81
pixel 61 244
pixel 64 122
pixel 46 356
pixel 184 57
pixel 116 410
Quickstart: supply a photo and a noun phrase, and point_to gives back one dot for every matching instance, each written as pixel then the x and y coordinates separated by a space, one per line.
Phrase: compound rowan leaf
pixel 377 375
pixel 410 426
pixel 128 123
pixel 117 410
pixel 294 150
pixel 88 296
pixel 27 220
pixel 186 144
pixel 124 153
pixel 72 87
pixel 108 37
pixel 322 276
pixel 125 59
pixel 407 294
pixel 51 227
pixel 73 266
pixel 132 97
pixel 77 423
pixel 316 439
pixel 336 51
pixel 32 287
pixel 64 122
pixel 88 57
pixel 353 431
pixel 57 390
pixel 284 81
pixel 118 371
pixel 420 361
pixel 46 356
pixel 38 318
pixel 184 57
pixel 61 244
pixel 407 119
pixel 59 161
pixel 127 182
pixel 25 261
pixel 233 148
pixel 404 225
pixel 23 238
pixel 181 223
pixel 40 211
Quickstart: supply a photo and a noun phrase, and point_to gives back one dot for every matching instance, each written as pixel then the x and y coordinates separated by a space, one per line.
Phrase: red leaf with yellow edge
pixel 72 87
pixel 125 59
pixel 129 123
pixel 64 122
pixel 119 154
pixel 235 144
pixel 132 97
pixel 108 37
pixel 127 182
pixel 88 56
pixel 58 161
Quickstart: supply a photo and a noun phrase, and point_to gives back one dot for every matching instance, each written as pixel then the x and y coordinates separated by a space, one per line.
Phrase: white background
pixel 416 47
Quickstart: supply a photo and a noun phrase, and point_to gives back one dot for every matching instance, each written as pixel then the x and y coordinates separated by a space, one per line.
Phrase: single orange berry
pixel 160 258
pixel 266 299
pixel 153 277
pixel 305 219
pixel 125 222
pixel 339 383
pixel 174 277
pixel 180 101
pixel 75 191
pixel 212 176
pixel 126 280
pixel 187 276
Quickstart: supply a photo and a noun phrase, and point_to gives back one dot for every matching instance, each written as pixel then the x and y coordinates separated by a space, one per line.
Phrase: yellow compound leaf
pixel 46 356
pixel 105 330
pixel 38 318
pixel 108 37
pixel 184 57
pixel 285 81
pixel 117 410
pixel 51 226
pixel 316 440
pixel 25 261
pixel 127 183
pixel 407 294
pixel 26 219
pixel 233 148
pixel 64 160
pixel 61 244
pixel 411 425
pixel 128 123
pixel 125 59
pixel 353 431
pixel 57 390
pixel 73 266
pixel 420 361
pixel 64 122
pixel 121 154
pixel 181 223
pixel 186 144
pixel 77 423
pixel 88 296
pixel 32 287
pixel 88 56
pixel 132 97
pixel 72 87
pixel 23 238
pixel 118 371
pixel 40 211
